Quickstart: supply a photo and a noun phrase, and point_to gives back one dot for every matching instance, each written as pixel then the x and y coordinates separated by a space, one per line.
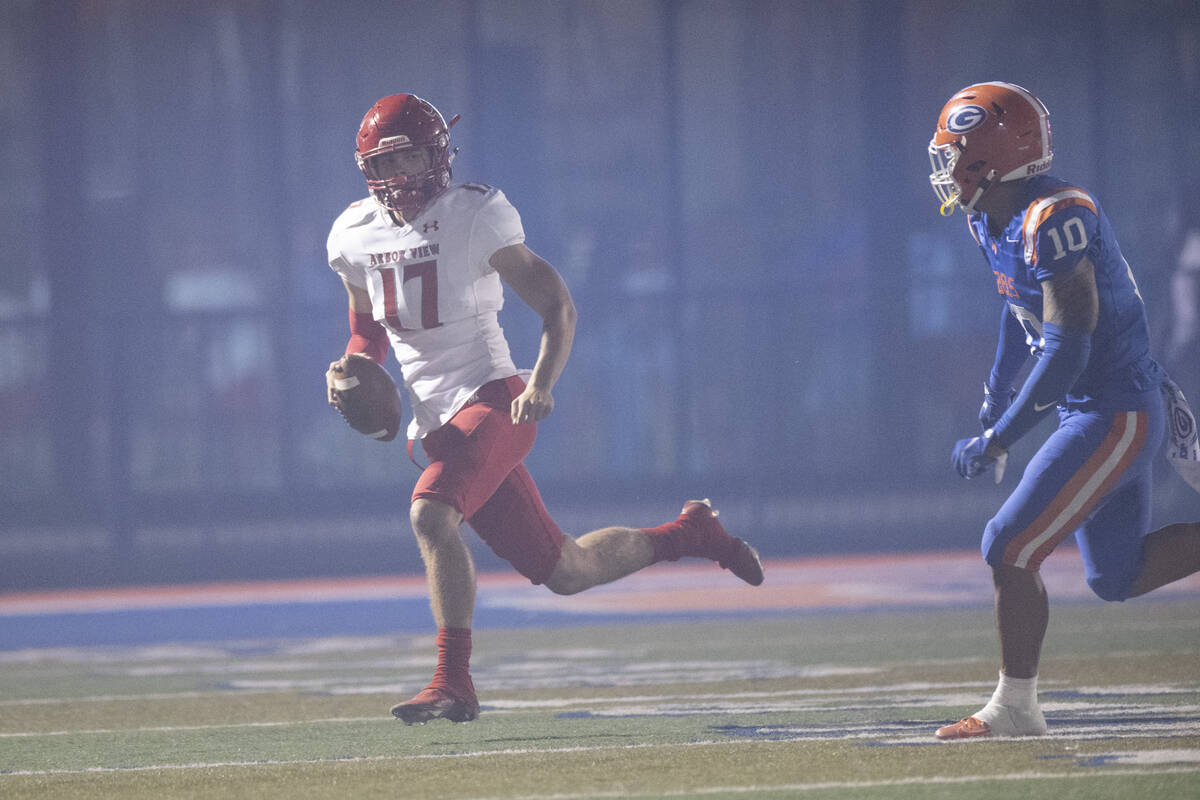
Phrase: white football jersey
pixel 433 290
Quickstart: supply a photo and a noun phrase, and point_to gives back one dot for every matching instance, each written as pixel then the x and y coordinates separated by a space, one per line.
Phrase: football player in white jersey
pixel 424 263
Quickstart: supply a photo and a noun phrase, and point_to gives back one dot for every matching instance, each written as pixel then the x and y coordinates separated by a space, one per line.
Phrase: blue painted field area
pixel 826 682
pixel 398 604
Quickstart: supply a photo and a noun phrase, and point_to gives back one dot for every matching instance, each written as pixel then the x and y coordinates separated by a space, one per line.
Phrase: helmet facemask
pixel 942 159
pixel 404 190
pixel 397 130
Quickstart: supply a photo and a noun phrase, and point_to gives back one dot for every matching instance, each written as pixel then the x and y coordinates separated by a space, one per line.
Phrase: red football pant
pixel 476 467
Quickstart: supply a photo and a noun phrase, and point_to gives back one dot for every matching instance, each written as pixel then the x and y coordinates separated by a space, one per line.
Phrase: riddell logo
pixel 1034 169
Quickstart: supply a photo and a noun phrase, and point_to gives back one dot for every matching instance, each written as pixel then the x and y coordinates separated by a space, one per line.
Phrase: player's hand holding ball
pixel 363 392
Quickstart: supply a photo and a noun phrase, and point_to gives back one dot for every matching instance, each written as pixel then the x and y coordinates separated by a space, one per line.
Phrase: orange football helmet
pixel 986 133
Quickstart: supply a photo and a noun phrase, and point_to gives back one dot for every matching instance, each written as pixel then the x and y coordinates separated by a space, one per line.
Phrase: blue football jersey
pixel 1057 226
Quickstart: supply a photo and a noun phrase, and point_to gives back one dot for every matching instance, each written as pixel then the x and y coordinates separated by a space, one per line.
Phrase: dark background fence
pixel 771 310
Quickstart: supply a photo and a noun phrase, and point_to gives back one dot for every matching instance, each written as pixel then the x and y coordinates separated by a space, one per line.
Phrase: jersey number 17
pixel 426 273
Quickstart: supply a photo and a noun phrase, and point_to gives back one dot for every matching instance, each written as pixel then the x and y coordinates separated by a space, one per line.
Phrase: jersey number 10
pixel 1073 232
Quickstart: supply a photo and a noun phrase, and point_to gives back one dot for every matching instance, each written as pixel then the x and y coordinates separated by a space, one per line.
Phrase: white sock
pixel 1015 692
pixel 1013 709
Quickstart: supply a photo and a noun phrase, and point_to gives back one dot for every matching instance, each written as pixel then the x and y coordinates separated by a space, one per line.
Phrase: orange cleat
pixel 969 728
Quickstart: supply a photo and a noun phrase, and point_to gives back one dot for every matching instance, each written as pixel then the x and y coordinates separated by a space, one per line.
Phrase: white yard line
pixel 811 787
pixel 500 703
pixel 188 728
pixel 1069 725
pixel 1101 772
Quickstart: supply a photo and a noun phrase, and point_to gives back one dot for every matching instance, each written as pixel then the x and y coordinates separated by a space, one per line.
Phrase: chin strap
pixel 984 185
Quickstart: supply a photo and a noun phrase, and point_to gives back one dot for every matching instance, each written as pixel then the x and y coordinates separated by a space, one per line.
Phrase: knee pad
pixel 992 546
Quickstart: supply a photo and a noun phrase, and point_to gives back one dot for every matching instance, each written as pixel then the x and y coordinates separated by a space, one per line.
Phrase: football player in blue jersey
pixel 1071 301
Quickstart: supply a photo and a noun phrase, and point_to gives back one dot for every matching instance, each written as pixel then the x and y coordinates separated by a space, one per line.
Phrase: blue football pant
pixel 1092 477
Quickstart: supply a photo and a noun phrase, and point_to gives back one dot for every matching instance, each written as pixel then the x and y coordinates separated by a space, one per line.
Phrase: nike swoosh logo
pixel 1041 407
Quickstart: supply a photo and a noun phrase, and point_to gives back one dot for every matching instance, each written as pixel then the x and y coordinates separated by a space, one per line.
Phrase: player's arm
pixel 1011 351
pixel 1070 310
pixel 543 289
pixel 1011 354
pixel 367 337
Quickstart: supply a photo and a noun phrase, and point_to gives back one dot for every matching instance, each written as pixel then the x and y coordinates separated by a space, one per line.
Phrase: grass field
pixel 825 704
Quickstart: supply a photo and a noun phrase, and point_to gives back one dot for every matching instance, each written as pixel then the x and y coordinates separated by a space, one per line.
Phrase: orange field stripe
pixel 383 586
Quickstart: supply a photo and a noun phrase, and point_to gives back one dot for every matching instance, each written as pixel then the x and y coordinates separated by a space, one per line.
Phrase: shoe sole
pixel 746 564
pixel 957 731
pixel 420 714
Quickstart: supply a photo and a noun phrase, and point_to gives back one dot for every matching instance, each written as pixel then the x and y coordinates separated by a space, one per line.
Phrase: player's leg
pixel 599 557
pixel 515 524
pixel 607 554
pixel 451 576
pixel 1173 552
pixel 450 573
pixel 449 569
pixel 1168 554
pixel 697 533
pixel 1079 467
pixel 1022 614
pixel 469 457
pixel 1121 558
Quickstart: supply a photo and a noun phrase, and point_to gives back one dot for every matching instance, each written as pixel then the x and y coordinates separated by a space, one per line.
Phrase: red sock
pixel 665 541
pixel 700 536
pixel 454 656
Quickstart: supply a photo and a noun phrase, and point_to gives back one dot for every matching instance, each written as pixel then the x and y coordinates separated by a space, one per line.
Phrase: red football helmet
pixel 986 133
pixel 401 122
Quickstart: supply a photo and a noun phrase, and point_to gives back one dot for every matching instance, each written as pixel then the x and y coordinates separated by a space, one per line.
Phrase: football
pixel 364 393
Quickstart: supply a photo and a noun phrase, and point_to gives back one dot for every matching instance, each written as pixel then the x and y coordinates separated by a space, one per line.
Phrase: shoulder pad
pixel 360 212
pixel 1046 206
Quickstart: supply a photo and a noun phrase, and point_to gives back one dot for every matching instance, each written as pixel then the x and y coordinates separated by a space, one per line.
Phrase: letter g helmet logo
pixel 965 118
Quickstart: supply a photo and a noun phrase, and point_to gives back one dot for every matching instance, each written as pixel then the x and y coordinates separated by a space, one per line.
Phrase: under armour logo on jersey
pixel 965 118
pixel 430 226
